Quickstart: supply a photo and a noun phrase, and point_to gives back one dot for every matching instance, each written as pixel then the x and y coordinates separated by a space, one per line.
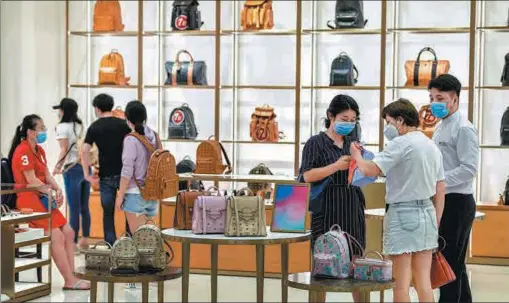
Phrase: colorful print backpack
pixel 331 255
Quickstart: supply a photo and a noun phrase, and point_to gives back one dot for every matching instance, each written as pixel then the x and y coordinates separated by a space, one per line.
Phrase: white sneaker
pixel 130 286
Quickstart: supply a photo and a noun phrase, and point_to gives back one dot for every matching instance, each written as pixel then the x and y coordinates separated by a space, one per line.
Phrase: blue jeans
pixel 77 190
pixel 108 187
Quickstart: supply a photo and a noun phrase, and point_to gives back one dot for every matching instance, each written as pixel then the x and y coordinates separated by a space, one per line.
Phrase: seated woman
pixel 135 157
pixel 413 166
pixel 29 168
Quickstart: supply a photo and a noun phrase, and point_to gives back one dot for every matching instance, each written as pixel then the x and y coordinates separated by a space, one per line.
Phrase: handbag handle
pixel 183 51
pixel 102 243
pixel 373 252
pixel 427 49
pixel 246 190
pixel 124 234
pixel 216 189
pixel 445 244
pixel 150 221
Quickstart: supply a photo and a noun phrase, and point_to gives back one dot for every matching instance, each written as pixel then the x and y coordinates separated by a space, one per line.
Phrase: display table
pixel 490 237
pixel 95 276
pixel 317 287
pixel 379 213
pixel 186 237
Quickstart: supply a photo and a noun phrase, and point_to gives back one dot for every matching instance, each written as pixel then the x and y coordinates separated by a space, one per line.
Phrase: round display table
pixel 379 213
pixel 318 287
pixel 186 237
pixel 95 275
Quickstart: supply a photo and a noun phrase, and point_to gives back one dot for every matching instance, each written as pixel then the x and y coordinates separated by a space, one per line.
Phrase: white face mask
pixel 390 131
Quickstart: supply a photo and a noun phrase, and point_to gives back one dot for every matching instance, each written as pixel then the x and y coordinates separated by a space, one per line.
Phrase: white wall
pixel 32 66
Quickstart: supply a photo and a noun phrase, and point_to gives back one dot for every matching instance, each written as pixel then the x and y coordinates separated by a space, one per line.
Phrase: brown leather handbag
pixel 441 272
pixel 184 209
pixel 421 72
pixel 427 121
pixel 263 127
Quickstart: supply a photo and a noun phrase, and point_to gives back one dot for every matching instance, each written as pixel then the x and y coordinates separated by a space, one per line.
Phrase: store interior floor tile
pixel 489 284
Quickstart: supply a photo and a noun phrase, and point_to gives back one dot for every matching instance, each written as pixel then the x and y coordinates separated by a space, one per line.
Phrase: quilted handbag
pixel 421 72
pixel 153 256
pixel 368 269
pixel 98 258
pixel 245 216
pixel 125 258
pixel 441 272
pixel 209 215
pixel 186 72
pixel 331 254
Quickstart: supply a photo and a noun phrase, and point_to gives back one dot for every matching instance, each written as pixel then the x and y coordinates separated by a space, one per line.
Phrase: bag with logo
pixel 182 125
pixel 421 72
pixel 107 16
pixel 343 72
pixel 260 169
pixel 188 166
pixel 185 72
pixel 209 215
pixel 263 127
pixel 257 14
pixel 99 256
pixel 349 14
pixel 368 269
pixel 183 218
pixel 161 180
pixel 331 254
pixel 185 15
pixel 111 69
pixel 209 158
pixel 125 258
pixel 427 121
pixel 245 216
pixel 505 72
pixel 153 256
pixel 7 178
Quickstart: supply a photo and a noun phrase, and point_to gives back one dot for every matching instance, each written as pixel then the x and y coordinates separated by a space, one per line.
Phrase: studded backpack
pixel 125 258
pixel 150 243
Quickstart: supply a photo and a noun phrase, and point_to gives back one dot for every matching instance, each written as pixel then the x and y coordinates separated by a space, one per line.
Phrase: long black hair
pixel 71 114
pixel 29 122
pixel 136 113
pixel 339 104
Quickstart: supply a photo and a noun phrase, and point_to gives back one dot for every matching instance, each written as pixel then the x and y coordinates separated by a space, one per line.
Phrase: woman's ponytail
pixel 136 113
pixel 29 122
pixel 139 128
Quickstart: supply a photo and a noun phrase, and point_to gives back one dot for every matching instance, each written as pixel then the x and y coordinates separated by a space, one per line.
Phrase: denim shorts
pixel 410 227
pixel 134 203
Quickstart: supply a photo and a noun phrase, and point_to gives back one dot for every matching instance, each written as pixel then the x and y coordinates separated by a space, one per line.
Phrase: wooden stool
pixel 318 287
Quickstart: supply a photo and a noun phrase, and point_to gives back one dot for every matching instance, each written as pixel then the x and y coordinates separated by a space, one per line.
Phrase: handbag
pixel 355 176
pixel 245 216
pixel 96 258
pixel 441 271
pixel 185 72
pixel 209 215
pixel 182 219
pixel 420 73
pixel 368 269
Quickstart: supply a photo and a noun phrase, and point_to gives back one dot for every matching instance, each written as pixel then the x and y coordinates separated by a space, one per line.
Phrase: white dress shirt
pixel 412 164
pixel 457 139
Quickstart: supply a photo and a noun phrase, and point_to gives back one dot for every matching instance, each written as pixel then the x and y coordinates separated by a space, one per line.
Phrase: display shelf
pixel 103 86
pixel 276 87
pixel 191 33
pixel 104 34
pixel 343 31
pixel 493 87
pixel 499 28
pixel 255 142
pixel 22 264
pixel 182 140
pixel 239 178
pixel 486 146
pixel 417 87
pixel 357 87
pixel 267 32
pixel 211 87
pixel 431 30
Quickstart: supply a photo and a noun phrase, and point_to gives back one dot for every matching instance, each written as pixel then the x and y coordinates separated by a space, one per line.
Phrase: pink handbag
pixel 209 215
pixel 368 269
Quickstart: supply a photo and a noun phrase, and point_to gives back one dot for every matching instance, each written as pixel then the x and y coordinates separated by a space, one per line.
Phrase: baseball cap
pixel 67 104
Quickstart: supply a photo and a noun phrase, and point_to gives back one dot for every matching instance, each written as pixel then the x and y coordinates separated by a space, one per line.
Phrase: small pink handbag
pixel 209 215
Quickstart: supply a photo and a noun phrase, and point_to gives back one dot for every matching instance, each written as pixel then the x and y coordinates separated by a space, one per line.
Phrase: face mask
pixel 439 109
pixel 41 137
pixel 344 128
pixel 390 131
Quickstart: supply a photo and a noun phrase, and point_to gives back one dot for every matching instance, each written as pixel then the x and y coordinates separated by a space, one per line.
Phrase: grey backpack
pixel 125 258
pixel 181 124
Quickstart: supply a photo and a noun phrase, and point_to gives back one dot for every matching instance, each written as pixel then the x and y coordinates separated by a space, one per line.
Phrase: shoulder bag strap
pixel 228 163
pixel 169 255
pixel 143 140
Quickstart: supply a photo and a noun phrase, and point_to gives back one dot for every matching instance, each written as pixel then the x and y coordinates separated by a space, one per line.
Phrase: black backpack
pixel 349 14
pixel 188 166
pixel 7 178
pixel 505 72
pixel 343 72
pixel 260 169
pixel 185 15
pixel 504 128
pixel 181 125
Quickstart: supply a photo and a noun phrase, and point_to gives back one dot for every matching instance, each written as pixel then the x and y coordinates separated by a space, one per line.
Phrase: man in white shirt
pixel 457 140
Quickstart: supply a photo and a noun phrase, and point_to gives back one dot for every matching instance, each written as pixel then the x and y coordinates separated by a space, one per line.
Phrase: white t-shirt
pixel 413 165
pixel 71 132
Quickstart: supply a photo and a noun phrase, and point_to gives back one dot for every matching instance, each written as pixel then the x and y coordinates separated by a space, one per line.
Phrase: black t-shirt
pixel 108 134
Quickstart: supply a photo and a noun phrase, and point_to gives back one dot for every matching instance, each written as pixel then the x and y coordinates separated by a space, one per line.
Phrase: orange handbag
pixel 441 271
pixel 420 72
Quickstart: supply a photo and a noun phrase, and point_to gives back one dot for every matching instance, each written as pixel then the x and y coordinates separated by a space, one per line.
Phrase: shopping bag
pixel 355 176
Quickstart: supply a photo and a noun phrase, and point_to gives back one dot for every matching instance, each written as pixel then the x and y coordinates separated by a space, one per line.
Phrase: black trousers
pixel 455 227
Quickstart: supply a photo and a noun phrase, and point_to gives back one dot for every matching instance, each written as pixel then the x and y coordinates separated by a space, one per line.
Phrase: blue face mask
pixel 343 128
pixel 439 109
pixel 41 137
